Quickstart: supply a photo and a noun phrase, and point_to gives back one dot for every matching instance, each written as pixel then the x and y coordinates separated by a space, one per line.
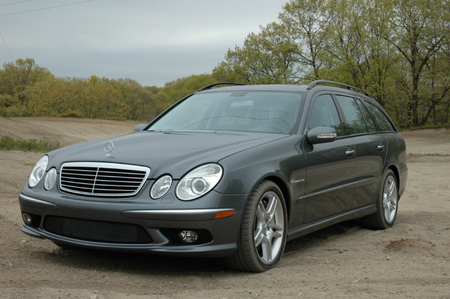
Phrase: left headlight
pixel 38 172
pixel 199 181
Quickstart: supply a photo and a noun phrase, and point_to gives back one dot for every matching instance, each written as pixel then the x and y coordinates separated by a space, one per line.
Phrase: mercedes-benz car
pixel 233 172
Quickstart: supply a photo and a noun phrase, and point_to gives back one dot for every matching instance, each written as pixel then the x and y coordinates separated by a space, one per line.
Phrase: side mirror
pixel 140 127
pixel 321 135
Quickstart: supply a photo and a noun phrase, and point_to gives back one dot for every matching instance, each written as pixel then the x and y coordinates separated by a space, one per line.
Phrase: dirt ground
pixel 410 260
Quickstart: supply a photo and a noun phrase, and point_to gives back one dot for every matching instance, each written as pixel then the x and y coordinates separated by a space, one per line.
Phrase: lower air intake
pixel 97 231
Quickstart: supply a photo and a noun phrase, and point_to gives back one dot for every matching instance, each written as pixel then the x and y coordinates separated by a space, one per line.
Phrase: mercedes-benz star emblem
pixel 109 147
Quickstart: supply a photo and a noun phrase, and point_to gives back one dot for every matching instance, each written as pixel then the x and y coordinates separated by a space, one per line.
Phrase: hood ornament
pixel 109 147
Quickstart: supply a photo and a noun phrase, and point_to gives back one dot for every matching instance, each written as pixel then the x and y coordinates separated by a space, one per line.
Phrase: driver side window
pixel 324 114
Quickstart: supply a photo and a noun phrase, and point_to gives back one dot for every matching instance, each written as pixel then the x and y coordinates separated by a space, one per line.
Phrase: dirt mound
pixel 410 245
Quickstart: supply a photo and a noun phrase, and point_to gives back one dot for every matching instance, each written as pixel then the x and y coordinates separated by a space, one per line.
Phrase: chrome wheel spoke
pixel 271 207
pixel 261 212
pixel 276 227
pixel 258 237
pixel 391 187
pixel 394 204
pixel 276 234
pixel 266 249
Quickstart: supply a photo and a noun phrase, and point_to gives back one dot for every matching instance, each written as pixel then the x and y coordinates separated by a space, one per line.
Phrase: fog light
pixel 27 218
pixel 188 236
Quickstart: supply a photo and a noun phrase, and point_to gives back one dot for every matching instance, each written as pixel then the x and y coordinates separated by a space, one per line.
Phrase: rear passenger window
pixel 382 120
pixel 369 121
pixel 324 114
pixel 355 121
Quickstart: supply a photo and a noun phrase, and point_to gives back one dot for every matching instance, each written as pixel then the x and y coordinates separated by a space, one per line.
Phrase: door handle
pixel 350 152
pixel 381 147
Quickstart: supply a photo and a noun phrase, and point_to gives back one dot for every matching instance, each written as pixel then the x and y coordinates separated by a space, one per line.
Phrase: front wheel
pixel 387 204
pixel 263 230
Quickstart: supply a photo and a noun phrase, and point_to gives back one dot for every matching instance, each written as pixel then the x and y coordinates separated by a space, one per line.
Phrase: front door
pixel 330 166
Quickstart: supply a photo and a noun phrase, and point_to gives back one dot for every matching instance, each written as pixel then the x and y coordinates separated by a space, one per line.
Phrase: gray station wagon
pixel 233 171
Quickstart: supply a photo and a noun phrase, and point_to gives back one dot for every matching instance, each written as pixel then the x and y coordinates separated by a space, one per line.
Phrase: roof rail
pixel 222 83
pixel 317 82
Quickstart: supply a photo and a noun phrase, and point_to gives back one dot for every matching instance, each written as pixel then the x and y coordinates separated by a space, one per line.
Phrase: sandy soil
pixel 410 260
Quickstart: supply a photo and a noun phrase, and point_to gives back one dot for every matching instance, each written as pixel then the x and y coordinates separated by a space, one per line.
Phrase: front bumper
pixel 154 219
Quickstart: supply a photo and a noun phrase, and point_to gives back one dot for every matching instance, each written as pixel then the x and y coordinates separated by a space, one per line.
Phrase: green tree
pixel 91 98
pixel 15 77
pixel 306 23
pixel 266 57
pixel 418 30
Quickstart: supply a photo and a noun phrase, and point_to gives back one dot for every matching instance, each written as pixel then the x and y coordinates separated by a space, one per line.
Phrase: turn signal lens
pixel 225 214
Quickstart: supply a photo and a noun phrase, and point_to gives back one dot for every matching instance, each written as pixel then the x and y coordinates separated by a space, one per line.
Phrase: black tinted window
pixel 355 121
pixel 324 114
pixel 382 120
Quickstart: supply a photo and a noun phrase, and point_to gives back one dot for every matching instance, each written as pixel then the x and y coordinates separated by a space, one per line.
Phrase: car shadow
pixel 151 264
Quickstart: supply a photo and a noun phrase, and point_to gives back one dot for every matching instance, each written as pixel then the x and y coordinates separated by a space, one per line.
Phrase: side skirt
pixel 307 228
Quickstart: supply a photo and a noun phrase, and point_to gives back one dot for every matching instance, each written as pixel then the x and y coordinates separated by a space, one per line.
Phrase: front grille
pixel 97 231
pixel 102 179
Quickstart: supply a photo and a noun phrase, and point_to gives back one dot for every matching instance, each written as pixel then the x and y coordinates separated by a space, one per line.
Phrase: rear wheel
pixel 387 204
pixel 263 230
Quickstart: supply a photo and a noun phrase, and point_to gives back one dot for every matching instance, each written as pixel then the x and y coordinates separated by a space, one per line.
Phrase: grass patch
pixel 32 145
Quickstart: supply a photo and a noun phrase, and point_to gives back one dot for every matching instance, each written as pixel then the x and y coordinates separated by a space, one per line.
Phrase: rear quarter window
pixel 382 120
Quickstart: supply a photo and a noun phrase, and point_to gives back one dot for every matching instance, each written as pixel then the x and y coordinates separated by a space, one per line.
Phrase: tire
pixel 262 237
pixel 387 204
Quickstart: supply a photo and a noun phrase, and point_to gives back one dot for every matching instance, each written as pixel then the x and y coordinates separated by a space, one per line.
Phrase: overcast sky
pixel 152 42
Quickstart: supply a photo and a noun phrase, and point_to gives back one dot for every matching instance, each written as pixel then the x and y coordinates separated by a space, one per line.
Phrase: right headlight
pixel 38 172
pixel 199 181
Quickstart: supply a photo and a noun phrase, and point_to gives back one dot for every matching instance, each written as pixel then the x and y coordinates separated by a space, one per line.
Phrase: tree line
pixel 26 89
pixel 396 50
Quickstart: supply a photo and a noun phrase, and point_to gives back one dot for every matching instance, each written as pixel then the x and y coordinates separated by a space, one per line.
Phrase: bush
pixel 73 114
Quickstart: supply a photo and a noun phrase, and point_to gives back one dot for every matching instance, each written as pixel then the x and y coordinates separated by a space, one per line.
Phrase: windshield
pixel 244 111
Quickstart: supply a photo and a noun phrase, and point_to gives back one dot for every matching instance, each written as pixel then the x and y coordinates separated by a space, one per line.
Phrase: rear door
pixel 370 146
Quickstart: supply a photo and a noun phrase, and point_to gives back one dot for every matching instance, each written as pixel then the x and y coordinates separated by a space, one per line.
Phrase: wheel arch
pixel 284 189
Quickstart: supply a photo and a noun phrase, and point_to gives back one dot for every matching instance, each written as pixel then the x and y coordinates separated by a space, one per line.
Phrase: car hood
pixel 173 153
